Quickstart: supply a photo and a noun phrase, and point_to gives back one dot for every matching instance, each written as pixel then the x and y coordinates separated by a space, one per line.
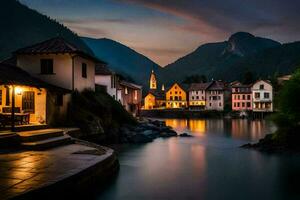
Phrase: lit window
pixel 0 97
pixel 135 94
pixel 126 90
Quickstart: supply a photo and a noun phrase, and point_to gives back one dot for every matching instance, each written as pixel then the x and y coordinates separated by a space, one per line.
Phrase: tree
pixel 196 78
pixel 248 77
pixel 288 103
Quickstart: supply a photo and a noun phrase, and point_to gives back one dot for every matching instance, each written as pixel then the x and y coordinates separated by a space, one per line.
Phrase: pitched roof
pixel 55 45
pixel 158 94
pixel 130 85
pixel 102 70
pixel 12 75
pixel 240 85
pixel 216 85
pixel 198 86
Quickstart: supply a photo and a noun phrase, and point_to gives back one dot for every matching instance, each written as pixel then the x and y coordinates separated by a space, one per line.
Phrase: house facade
pixel 32 100
pixel 197 97
pixel 241 96
pixel 262 94
pixel 107 79
pixel 131 96
pixel 176 97
pixel 215 94
pixel 59 63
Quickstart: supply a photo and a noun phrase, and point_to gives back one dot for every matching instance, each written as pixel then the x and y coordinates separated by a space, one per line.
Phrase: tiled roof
pixel 12 75
pixel 158 94
pixel 54 45
pixel 102 70
pixel 130 85
pixel 198 86
pixel 216 85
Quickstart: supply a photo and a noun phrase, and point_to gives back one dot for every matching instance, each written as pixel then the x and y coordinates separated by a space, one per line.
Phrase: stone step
pixel 33 136
pixel 47 143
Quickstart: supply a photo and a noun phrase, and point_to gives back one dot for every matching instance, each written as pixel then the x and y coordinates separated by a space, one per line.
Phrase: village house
pixel 107 79
pixel 155 97
pixel 197 98
pixel 176 97
pixel 241 97
pixel 28 99
pixel 130 96
pixel 215 95
pixel 58 62
pixel 262 94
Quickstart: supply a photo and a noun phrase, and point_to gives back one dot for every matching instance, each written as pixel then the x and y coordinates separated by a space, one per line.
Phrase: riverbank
pixel 278 142
pixel 182 114
pixel 61 172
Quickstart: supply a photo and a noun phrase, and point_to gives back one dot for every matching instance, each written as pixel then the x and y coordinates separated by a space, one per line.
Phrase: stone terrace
pixel 28 171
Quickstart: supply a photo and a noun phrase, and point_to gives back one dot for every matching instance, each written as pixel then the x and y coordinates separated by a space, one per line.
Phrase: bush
pixel 97 112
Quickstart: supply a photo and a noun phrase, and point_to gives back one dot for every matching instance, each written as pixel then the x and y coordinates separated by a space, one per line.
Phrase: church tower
pixel 153 84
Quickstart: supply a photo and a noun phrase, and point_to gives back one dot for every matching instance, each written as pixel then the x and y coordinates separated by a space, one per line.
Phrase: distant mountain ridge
pixel 22 26
pixel 229 60
pixel 123 59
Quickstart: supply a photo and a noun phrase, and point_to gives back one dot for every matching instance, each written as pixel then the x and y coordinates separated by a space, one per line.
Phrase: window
pixel 171 98
pixel 248 104
pixel 238 104
pixel 84 70
pixel 266 95
pixel 192 98
pixel 244 97
pixel 59 100
pixel 197 97
pixel 46 66
pixel 220 104
pixel 28 101
pixel 7 99
pixel 135 94
pixel 243 104
pixel 257 95
pixel 234 104
pixel 238 96
pixel 249 97
pixel 0 97
pixel 261 87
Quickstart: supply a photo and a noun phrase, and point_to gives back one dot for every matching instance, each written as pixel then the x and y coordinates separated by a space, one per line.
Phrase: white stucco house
pixel 262 95
pixel 108 80
pixel 58 62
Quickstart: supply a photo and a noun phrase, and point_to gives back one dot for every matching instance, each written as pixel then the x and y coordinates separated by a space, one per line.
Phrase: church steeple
pixel 153 84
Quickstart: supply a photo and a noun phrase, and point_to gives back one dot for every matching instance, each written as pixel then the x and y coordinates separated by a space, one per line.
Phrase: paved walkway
pixel 28 170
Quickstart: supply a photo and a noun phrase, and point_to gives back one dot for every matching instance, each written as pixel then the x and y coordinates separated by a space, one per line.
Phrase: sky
pixel 165 30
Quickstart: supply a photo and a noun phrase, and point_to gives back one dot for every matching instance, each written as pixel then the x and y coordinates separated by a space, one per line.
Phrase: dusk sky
pixel 165 30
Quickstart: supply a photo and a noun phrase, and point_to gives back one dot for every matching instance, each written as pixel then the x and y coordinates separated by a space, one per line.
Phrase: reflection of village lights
pixel 18 90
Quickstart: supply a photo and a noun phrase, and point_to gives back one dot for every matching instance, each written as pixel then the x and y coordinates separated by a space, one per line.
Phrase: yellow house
pixel 176 97
pixel 149 102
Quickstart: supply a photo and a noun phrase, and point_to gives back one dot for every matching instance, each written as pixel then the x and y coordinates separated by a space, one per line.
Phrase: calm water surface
pixel 206 167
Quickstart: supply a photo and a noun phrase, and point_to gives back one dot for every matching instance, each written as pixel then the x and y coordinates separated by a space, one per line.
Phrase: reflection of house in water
pixel 197 126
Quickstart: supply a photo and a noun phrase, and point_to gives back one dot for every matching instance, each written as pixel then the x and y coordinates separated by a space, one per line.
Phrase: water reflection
pixel 235 128
pixel 209 166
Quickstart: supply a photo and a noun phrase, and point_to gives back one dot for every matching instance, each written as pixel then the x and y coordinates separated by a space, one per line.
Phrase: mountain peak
pixel 243 44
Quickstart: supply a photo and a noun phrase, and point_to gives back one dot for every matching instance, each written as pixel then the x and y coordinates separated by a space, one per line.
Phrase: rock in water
pixel 185 135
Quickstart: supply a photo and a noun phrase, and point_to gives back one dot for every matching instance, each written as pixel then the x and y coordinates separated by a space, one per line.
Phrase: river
pixel 208 166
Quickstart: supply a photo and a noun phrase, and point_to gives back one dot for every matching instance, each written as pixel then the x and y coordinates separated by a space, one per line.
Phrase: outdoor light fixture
pixel 18 90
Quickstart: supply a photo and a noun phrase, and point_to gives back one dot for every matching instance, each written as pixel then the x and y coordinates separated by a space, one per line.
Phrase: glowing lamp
pixel 18 90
